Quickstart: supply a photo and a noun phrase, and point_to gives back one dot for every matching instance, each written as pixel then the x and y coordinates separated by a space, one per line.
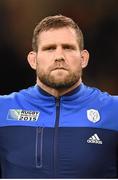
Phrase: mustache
pixel 59 66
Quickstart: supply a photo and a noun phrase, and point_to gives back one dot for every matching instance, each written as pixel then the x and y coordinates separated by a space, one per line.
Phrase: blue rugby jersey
pixel 74 136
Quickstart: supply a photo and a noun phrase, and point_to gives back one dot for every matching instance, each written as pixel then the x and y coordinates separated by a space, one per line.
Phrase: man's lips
pixel 58 68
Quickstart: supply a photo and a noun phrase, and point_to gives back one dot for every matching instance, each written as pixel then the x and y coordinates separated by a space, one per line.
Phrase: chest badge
pixel 23 115
pixel 93 115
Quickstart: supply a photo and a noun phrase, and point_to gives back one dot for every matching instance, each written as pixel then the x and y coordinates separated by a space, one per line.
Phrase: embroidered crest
pixel 93 115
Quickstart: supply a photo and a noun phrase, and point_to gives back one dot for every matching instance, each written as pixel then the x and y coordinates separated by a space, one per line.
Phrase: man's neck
pixel 56 92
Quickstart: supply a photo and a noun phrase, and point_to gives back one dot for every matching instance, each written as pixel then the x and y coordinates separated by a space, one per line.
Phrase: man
pixel 59 128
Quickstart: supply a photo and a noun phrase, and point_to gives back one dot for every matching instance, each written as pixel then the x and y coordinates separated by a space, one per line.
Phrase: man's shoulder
pixel 102 93
pixel 101 97
pixel 15 95
pixel 13 104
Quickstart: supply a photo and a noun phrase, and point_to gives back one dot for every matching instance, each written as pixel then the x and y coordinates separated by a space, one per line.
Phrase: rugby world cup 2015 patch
pixel 23 115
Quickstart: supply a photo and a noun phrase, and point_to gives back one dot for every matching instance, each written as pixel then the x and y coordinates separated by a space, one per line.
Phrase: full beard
pixel 67 82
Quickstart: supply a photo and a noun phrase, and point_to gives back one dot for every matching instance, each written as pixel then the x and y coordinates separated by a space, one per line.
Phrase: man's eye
pixel 49 48
pixel 69 47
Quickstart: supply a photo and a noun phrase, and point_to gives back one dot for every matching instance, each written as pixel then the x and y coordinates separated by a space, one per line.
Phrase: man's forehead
pixel 63 35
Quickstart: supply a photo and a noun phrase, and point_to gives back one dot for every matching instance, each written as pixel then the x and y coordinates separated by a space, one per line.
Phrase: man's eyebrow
pixel 69 45
pixel 48 46
pixel 64 45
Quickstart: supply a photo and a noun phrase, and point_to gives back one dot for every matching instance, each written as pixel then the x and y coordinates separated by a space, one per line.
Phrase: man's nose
pixel 59 59
pixel 59 54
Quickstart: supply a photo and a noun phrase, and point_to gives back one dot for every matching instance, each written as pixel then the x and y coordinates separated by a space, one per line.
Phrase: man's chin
pixel 60 76
pixel 59 85
pixel 61 79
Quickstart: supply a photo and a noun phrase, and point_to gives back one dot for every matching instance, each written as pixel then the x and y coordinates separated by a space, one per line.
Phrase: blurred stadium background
pixel 98 20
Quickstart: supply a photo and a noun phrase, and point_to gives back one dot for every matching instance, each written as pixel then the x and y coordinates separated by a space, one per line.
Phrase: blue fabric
pixel 73 108
pixel 74 138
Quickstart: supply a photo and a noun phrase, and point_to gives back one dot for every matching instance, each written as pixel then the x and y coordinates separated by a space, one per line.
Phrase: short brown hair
pixel 57 21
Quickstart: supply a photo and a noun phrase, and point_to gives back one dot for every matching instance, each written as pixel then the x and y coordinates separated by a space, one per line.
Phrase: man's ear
pixel 84 58
pixel 32 59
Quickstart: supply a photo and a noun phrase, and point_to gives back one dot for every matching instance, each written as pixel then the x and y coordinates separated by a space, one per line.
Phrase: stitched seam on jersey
pixel 39 147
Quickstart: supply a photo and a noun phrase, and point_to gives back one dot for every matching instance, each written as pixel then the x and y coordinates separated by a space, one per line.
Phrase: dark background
pixel 98 20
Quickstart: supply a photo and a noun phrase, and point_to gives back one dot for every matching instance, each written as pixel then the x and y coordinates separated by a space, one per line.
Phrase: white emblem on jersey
pixel 93 115
pixel 94 139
